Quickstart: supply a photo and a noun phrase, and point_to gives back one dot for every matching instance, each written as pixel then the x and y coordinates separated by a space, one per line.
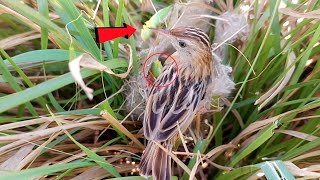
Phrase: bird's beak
pixel 165 32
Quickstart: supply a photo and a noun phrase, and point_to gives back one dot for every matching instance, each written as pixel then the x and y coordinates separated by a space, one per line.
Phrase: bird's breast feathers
pixel 175 104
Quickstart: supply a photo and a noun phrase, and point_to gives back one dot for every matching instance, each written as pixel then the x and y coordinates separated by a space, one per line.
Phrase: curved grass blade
pixel 42 55
pixel 41 171
pixel 16 99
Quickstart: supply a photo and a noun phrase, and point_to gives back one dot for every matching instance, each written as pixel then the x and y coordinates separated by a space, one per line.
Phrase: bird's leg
pixel 182 138
pixel 193 136
pixel 198 121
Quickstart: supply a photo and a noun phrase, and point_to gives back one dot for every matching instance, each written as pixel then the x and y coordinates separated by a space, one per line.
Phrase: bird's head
pixel 187 39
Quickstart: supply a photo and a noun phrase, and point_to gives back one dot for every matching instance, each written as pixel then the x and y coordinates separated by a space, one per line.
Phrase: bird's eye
pixel 182 44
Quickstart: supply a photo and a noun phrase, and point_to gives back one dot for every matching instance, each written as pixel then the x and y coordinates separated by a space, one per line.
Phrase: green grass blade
pixel 275 170
pixel 68 10
pixel 305 56
pixel 283 170
pixel 118 23
pixel 99 160
pixel 38 56
pixel 302 149
pixel 263 136
pixel 41 171
pixel 44 11
pixel 13 83
pixel 60 35
pixel 106 23
pixel 24 77
pixel 132 42
pixel 269 171
pixel 237 173
pixel 275 27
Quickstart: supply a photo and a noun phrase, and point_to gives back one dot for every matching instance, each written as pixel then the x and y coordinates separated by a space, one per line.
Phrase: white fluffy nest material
pixel 233 27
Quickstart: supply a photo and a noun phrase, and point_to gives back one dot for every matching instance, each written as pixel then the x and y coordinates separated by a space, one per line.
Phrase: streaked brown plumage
pixel 177 103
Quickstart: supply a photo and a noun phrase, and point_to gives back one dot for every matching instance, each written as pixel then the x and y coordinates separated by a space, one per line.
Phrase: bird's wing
pixel 168 106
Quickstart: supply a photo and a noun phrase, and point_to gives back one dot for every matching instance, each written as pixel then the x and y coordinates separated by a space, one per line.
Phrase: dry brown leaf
pixel 86 60
pixel 296 171
pixel 8 10
pixel 82 155
pixel 123 147
pixel 24 123
pixel 256 126
pixel 307 155
pixel 91 173
pixel 311 14
pixel 74 156
pixel 14 162
pixel 247 141
pixel 275 90
pixel 315 167
pixel 74 67
pixel 298 134
pixel 36 121
pixel 219 149
pixel 31 156
pixel 253 127
pixel 224 168
pixel 14 145
pixel 27 21
pixel 11 163
pixel 100 173
pixel 47 132
pixel 6 88
pixel 234 112
pixel 18 39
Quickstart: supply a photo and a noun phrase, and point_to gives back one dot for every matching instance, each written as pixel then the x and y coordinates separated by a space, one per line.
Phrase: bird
pixel 172 108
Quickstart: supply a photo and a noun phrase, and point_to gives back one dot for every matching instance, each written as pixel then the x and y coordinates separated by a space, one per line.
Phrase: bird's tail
pixel 155 162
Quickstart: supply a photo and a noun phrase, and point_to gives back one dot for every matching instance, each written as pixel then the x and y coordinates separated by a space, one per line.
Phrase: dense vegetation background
pixel 268 128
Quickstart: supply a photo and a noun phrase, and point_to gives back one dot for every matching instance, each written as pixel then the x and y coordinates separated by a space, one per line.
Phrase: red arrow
pixel 104 34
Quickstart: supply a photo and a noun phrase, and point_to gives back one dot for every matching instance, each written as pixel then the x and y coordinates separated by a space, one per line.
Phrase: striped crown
pixel 192 33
